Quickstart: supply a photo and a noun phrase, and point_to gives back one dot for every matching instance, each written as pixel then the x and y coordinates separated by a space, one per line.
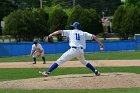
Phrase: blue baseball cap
pixel 76 25
pixel 35 41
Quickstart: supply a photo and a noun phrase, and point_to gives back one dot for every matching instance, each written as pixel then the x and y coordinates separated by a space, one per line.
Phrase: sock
pixel 34 60
pixel 54 66
pixel 91 67
pixel 43 58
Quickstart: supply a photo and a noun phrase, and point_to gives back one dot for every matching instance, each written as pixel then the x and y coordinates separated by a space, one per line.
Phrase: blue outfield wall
pixel 18 49
pixel 137 38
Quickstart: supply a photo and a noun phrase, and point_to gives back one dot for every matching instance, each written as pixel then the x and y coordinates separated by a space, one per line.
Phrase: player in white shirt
pixel 77 42
pixel 36 47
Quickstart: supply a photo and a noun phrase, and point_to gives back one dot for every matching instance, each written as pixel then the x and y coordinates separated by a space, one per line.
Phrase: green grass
pixel 118 55
pixel 24 73
pixel 121 55
pixel 124 90
pixel 49 57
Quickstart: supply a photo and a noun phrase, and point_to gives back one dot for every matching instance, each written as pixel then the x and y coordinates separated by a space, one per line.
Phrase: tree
pixel 74 15
pixel 64 3
pixel 129 3
pixel 18 24
pixel 138 4
pixel 51 9
pixel 41 19
pixel 57 21
pixel 24 25
pixel 126 21
pixel 136 22
pixel 6 7
pixel 89 19
pixel 117 20
pixel 108 6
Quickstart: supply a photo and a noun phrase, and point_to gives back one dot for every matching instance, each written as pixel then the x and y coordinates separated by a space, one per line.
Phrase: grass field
pixel 25 73
pixel 121 55
pixel 126 90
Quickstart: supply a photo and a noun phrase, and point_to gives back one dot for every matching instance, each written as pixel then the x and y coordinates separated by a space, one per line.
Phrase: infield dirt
pixel 98 63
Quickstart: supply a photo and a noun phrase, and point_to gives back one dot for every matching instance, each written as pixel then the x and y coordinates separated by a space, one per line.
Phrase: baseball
pixel 101 48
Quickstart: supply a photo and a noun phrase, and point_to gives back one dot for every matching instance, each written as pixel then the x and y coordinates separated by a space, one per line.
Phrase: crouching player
pixel 37 51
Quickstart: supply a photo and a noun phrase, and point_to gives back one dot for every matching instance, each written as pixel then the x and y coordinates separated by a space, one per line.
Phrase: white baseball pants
pixel 72 53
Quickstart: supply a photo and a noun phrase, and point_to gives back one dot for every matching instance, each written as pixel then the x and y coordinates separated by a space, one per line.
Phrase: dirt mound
pixel 77 81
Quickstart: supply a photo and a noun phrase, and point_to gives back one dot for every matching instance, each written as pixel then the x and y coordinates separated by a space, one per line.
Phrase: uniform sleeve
pixel 32 50
pixel 89 36
pixel 65 33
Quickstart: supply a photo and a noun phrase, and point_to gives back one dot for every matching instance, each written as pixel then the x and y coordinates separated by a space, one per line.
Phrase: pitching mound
pixel 78 81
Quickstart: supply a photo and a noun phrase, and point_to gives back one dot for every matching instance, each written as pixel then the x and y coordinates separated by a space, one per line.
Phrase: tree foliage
pixel 136 19
pixel 64 3
pixel 89 19
pixel 24 25
pixel 117 20
pixel 126 21
pixel 29 4
pixel 41 19
pixel 108 6
pixel 18 24
pixel 52 8
pixel 6 6
pixel 74 15
pixel 58 20
pixel 138 4
pixel 129 3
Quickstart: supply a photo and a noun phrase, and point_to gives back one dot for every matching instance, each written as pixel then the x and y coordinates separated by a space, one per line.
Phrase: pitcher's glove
pixel 50 39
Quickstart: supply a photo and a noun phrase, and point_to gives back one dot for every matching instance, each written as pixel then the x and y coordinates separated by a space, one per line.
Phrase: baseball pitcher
pixel 37 51
pixel 77 42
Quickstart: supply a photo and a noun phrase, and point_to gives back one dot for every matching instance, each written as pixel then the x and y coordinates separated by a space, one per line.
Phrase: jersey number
pixel 77 36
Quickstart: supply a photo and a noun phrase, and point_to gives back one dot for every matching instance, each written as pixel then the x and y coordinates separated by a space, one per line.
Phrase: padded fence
pixel 18 49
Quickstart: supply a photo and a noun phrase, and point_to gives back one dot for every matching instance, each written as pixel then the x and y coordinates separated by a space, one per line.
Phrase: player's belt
pixel 76 47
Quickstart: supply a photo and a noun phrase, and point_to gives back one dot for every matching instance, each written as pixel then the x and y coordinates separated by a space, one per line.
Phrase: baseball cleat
pixel 43 73
pixel 34 62
pixel 97 73
pixel 40 72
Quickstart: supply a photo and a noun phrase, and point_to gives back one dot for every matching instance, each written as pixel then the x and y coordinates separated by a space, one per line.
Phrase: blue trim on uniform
pixel 91 67
pixel 54 66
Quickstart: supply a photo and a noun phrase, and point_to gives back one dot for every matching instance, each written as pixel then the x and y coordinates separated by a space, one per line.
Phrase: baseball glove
pixel 38 52
pixel 50 39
